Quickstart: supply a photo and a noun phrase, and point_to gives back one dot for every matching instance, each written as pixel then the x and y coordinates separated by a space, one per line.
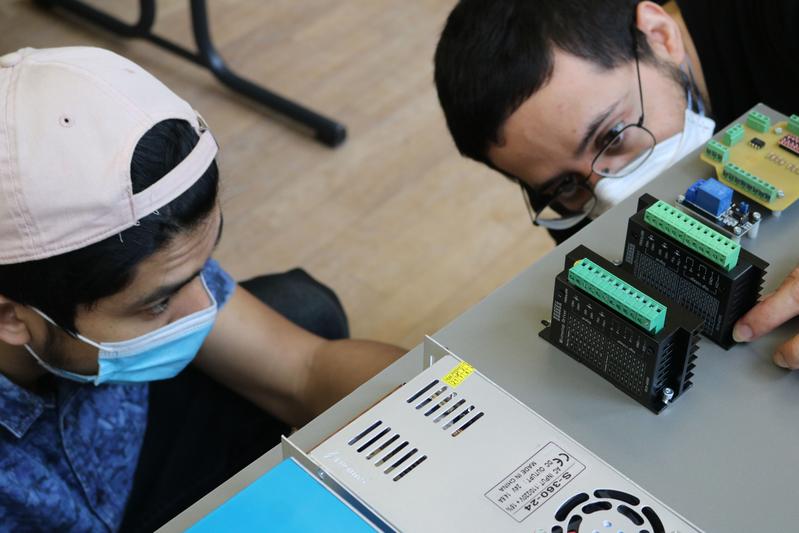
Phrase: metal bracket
pixel 362 509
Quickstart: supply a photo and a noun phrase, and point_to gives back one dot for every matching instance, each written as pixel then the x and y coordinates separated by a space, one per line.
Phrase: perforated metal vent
pixel 609 510
pixel 688 294
pixel 444 406
pixel 605 354
pixel 387 450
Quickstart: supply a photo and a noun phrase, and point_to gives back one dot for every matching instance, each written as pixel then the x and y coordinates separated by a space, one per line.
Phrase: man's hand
pixel 775 309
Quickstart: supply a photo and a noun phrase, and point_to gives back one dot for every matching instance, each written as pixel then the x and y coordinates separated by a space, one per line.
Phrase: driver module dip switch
pixel 631 334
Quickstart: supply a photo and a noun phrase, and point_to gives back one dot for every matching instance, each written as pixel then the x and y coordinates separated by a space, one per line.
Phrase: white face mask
pixel 698 129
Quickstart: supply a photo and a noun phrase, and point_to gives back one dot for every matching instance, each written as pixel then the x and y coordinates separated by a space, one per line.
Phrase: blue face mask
pixel 160 354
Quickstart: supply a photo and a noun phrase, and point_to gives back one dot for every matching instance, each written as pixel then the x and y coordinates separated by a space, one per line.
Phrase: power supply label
pixel 458 375
pixel 535 481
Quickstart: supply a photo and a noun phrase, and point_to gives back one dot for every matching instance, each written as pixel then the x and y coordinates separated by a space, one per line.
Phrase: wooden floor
pixel 407 232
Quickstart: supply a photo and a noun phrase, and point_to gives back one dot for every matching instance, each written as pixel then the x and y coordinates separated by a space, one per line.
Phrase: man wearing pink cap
pixel 108 218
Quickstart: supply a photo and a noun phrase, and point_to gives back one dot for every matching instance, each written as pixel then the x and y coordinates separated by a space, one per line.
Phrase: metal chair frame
pixel 326 130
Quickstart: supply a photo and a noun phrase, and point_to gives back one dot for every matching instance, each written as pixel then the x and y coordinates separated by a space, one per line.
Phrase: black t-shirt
pixel 749 50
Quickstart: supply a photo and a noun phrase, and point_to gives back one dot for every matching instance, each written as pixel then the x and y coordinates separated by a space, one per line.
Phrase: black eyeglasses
pixel 567 202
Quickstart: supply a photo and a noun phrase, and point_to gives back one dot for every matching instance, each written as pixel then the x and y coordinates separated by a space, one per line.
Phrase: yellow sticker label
pixel 458 374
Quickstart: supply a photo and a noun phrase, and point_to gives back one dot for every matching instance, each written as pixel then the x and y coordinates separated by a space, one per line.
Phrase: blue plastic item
pixel 743 207
pixel 710 195
pixel 286 500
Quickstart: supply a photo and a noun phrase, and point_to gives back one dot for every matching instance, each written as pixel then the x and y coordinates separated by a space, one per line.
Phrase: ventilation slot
pixel 597 506
pixel 461 429
pixel 385 447
pixel 654 519
pixel 373 439
pixel 364 433
pixel 444 403
pixel 422 391
pixel 459 417
pixel 400 461
pixel 634 517
pixel 569 505
pixel 382 447
pixel 414 465
pixel 431 397
pixel 617 495
pixel 391 454
pixel 574 523
pixel 440 404
pixel 449 411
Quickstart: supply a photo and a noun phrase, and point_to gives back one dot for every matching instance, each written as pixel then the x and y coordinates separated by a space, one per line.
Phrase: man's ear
pixel 13 330
pixel 661 30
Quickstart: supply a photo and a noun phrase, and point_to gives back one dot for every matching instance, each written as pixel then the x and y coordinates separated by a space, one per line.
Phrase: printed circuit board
pixel 759 159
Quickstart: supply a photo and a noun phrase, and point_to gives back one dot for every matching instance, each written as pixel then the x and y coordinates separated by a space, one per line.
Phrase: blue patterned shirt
pixel 68 458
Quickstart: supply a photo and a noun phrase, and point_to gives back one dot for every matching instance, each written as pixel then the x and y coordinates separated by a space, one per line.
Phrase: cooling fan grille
pixel 610 511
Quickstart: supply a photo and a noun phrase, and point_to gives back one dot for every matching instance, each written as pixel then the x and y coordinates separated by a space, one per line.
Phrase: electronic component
pixel 758 121
pixel 790 143
pixel 693 234
pixel 733 135
pixel 621 296
pixel 715 203
pixel 628 332
pixel 760 188
pixel 793 124
pixel 759 159
pixel 682 270
pixel 415 462
pixel 744 207
pixel 710 195
pixel 717 151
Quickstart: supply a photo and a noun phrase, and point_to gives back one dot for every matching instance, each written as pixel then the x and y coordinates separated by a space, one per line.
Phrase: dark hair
pixel 494 54
pixel 59 285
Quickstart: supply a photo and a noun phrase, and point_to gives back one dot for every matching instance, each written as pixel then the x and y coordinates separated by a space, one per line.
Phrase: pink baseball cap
pixel 70 120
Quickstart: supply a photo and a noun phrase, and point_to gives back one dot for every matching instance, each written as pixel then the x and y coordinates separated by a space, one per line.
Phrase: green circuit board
pixel 759 159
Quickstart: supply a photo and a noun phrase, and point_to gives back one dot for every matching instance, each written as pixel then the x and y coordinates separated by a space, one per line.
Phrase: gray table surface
pixel 722 455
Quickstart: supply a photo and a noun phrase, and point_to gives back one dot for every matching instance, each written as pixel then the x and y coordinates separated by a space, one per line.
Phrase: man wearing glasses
pixel 582 102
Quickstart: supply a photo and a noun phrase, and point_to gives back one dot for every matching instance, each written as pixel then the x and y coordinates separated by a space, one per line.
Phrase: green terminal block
pixel 717 151
pixel 793 124
pixel 733 135
pixel 750 183
pixel 618 294
pixel 758 121
pixel 693 234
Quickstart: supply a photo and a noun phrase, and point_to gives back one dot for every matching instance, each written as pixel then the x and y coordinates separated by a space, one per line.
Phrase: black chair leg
pixel 327 131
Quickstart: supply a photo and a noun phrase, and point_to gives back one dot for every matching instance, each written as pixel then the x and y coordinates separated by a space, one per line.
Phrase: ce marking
pixel 562 461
